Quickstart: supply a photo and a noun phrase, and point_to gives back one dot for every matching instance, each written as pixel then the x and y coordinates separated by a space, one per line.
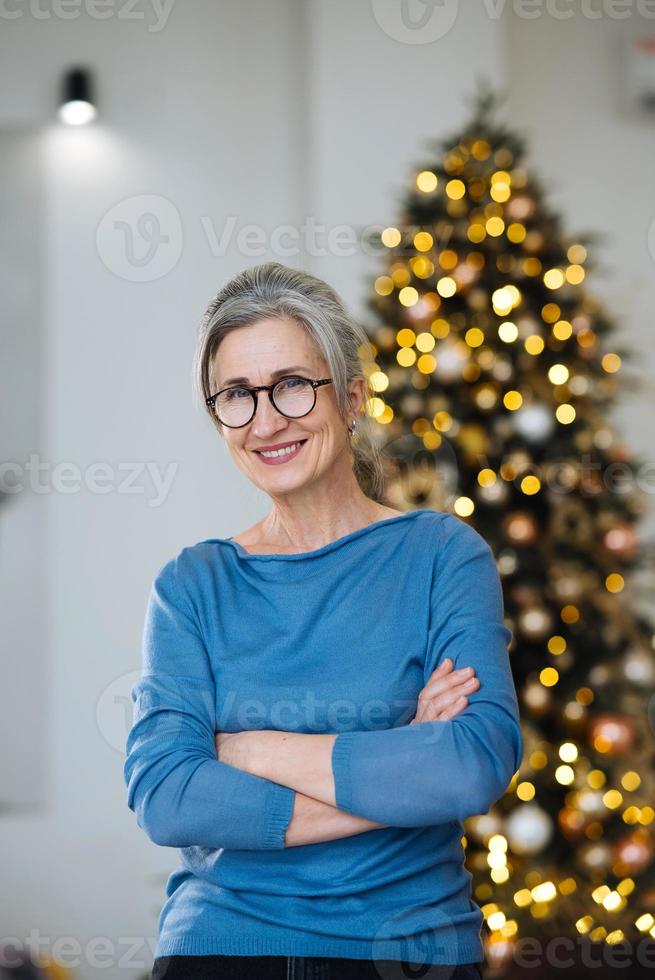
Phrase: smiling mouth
pixel 289 450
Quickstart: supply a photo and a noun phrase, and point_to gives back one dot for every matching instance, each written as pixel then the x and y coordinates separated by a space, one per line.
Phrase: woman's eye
pixel 292 383
pixel 232 394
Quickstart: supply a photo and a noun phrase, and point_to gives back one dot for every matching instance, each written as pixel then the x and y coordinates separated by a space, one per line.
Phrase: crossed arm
pixel 189 784
pixel 397 777
pixel 185 792
pixel 303 763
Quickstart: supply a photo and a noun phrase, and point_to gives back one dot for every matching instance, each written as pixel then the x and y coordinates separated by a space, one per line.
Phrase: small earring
pixel 352 427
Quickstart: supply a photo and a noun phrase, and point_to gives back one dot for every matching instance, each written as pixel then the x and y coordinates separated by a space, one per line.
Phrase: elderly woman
pixel 325 696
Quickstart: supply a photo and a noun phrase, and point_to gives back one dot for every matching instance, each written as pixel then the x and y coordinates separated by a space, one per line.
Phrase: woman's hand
pixel 445 693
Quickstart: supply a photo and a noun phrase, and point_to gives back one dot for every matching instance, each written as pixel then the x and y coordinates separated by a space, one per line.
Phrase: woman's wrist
pixel 314 822
pixel 297 760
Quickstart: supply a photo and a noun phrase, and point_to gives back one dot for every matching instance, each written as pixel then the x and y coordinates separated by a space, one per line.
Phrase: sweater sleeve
pixel 181 794
pixel 435 771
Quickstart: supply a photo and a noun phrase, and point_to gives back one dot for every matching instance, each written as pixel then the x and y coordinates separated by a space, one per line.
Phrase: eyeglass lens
pixel 293 397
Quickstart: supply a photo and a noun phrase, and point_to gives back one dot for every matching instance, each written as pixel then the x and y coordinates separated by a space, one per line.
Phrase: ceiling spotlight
pixel 77 106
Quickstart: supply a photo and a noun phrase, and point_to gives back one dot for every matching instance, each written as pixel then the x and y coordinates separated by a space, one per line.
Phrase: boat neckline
pixel 295 556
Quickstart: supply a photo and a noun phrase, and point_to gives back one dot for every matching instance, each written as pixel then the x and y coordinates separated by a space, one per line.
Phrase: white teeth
pixel 281 452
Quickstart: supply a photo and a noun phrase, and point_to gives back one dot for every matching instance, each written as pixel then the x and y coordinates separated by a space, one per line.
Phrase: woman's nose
pixel 266 417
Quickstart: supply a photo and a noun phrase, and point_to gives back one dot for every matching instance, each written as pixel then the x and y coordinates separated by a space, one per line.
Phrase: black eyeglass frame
pixel 269 389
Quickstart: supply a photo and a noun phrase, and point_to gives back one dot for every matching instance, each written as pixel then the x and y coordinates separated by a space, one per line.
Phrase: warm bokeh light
pixel 426 181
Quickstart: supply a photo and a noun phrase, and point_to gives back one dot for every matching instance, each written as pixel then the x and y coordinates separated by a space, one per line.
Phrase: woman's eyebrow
pixel 274 374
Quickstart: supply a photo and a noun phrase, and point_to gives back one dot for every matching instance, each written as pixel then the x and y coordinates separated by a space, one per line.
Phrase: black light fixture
pixel 77 106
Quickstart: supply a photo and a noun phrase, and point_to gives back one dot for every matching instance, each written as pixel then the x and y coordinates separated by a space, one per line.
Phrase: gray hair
pixel 275 290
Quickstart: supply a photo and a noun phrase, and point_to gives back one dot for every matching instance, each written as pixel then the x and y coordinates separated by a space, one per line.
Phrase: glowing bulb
pixel 76 113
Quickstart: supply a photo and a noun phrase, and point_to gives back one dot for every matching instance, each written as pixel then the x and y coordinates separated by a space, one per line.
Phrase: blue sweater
pixel 340 639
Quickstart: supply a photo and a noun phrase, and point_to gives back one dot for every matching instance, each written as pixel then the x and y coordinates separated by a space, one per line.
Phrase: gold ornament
pixel 632 854
pixel 596 855
pixel 568 582
pixel 621 539
pixel 529 829
pixel 612 734
pixel 520 207
pixel 590 802
pixel 495 494
pixel 483 826
pixel 521 528
pixel 639 666
pixel 572 822
pixel 535 621
pixel 537 698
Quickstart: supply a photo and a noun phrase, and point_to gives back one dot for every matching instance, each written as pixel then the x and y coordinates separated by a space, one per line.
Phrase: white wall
pixel 266 112
pixel 24 774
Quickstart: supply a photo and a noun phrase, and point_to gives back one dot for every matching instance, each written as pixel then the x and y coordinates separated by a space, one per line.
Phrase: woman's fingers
pixel 453 709
pixel 444 681
pixel 445 693
pixel 435 712
pixel 454 687
pixel 444 711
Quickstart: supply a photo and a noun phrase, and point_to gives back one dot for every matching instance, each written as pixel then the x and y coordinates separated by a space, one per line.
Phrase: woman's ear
pixel 356 394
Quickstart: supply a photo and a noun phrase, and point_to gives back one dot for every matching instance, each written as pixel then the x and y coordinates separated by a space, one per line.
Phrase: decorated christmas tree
pixel 494 375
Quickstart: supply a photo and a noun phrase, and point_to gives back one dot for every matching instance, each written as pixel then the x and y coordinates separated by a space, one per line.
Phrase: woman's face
pixel 253 353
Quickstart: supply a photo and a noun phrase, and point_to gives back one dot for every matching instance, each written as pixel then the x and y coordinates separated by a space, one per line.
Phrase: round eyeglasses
pixel 292 396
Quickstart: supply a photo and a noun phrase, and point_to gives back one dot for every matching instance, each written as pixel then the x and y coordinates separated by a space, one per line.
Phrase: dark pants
pixel 219 967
